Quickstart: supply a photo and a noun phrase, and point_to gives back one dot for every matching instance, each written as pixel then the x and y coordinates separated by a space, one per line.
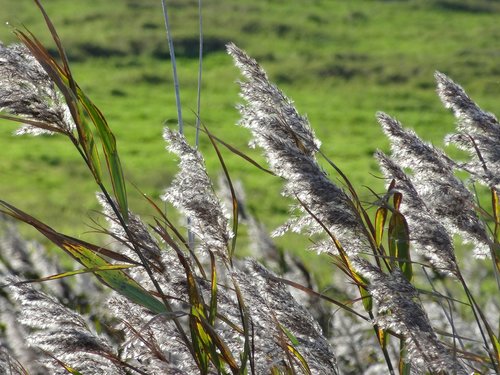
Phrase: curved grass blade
pixel 300 358
pixel 74 96
pixel 60 48
pixel 38 124
pixel 65 366
pixel 72 273
pixel 86 255
pixel 233 194
pixel 85 135
pixel 237 152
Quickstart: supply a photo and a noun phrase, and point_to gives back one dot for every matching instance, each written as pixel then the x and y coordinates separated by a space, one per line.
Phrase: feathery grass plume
pixel 275 313
pixel 63 333
pixel 445 195
pixel 150 342
pixel 427 235
pixel 8 364
pixel 478 132
pixel 348 336
pixel 137 229
pixel 267 253
pixel 193 194
pixel 13 339
pixel 14 253
pixel 399 310
pixel 27 92
pixel 290 145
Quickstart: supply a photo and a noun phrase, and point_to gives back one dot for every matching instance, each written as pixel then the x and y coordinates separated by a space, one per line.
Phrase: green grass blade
pixel 399 243
pixel 290 335
pixel 60 48
pixel 496 213
pixel 404 366
pixel 110 151
pixel 247 355
pixel 300 358
pixel 496 346
pixel 213 290
pixel 88 257
pixel 234 201
pixel 239 153
pixel 75 272
pixel 61 76
pixel 380 218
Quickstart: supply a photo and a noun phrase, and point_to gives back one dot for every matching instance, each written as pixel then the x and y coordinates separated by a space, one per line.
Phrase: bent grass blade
pixel 87 255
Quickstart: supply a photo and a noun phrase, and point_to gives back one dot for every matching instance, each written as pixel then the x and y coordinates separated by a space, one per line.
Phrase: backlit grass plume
pixel 402 297
pixel 290 148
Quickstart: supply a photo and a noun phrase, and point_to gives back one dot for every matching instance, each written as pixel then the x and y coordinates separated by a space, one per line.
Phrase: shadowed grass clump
pixel 155 301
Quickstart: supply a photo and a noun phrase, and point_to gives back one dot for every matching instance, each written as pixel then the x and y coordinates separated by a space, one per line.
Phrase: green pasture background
pixel 340 61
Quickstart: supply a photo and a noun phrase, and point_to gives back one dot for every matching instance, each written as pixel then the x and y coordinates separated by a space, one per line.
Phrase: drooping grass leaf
pixel 80 105
pixel 88 255
pixel 66 83
pixel 52 68
pixel 76 272
pixel 319 295
pixel 239 153
pixel 34 123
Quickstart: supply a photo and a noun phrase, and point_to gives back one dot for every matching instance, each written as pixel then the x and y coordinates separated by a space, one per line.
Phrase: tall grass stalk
pixel 173 60
pixel 404 297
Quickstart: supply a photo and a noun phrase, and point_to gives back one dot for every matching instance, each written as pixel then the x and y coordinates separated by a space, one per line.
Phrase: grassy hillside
pixel 340 61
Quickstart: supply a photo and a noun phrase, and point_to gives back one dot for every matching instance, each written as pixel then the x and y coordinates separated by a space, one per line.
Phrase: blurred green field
pixel 340 61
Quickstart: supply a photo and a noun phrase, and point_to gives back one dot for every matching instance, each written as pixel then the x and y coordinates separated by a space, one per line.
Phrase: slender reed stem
pixel 174 67
pixel 177 91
